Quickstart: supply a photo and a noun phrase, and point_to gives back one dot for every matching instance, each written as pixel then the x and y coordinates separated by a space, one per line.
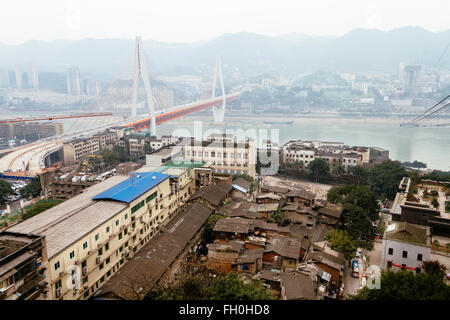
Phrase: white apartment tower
pixel 74 82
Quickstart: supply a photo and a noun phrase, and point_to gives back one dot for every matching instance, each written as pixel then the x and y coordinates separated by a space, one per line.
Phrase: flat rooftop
pixel 70 220
pixel 133 187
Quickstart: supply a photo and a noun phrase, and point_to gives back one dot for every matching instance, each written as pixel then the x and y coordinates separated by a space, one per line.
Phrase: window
pixel 85 245
pixel 405 254
pixel 391 251
pixel 389 264
pixel 58 284
pixel 57 265
pixel 126 216
pixel 72 254
pixel 107 260
pixel 100 251
pixel 97 236
pixel 106 247
pixel 117 222
pixel 151 197
pixel 419 257
pixel 418 270
pixel 101 266
pixel 107 229
pixel 120 236
pixel 136 207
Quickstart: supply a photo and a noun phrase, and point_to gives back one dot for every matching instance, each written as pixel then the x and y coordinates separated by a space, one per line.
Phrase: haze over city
pixel 201 20
pixel 225 150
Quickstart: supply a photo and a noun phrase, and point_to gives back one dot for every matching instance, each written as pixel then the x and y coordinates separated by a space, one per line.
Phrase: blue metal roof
pixel 133 187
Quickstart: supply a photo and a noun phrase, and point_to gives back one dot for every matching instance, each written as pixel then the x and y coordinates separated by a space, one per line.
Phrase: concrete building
pixel 298 154
pixel 405 246
pixel 79 148
pixel 30 130
pixel 225 156
pixel 91 236
pixel 22 263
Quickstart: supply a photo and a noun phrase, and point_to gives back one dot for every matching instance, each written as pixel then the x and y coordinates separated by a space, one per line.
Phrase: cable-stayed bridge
pixel 29 159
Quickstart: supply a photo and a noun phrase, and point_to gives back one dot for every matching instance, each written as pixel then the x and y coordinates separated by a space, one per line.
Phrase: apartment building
pixel 226 155
pixel 21 266
pixel 106 138
pixel 298 154
pixel 30 130
pixel 334 153
pixel 79 148
pixel 91 236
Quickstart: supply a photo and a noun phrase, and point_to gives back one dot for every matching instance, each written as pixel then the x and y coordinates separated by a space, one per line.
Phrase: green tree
pixel 434 267
pixel 385 177
pixel 39 207
pixel 147 148
pixel 110 158
pixel 230 287
pixel 33 189
pixel 200 287
pixel 121 153
pixel 360 210
pixel 319 169
pixel 338 170
pixel 95 163
pixel 341 241
pixel 405 285
pixel 5 191
pixel 360 173
pixel 435 202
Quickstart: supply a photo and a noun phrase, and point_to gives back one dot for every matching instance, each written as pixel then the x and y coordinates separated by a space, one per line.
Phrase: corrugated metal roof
pixel 133 187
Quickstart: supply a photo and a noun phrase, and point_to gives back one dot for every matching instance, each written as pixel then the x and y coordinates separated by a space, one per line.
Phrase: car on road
pixel 355 269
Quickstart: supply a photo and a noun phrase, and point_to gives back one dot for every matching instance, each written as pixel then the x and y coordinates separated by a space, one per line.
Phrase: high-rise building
pixel 4 78
pixel 411 80
pixel 401 72
pixel 74 82
pixel 93 88
pixel 18 77
pixel 33 79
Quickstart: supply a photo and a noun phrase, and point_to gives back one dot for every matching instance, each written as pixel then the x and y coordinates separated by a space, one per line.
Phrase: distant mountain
pixel 250 54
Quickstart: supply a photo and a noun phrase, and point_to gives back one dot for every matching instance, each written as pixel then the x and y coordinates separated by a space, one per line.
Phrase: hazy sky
pixel 195 20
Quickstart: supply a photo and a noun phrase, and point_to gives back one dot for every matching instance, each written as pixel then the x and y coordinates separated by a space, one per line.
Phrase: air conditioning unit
pixel 111 236
pixel 58 292
pixel 131 247
pixel 98 260
pixel 77 261
pixel 86 287
pixel 62 273
pixel 85 271
pixel 89 252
